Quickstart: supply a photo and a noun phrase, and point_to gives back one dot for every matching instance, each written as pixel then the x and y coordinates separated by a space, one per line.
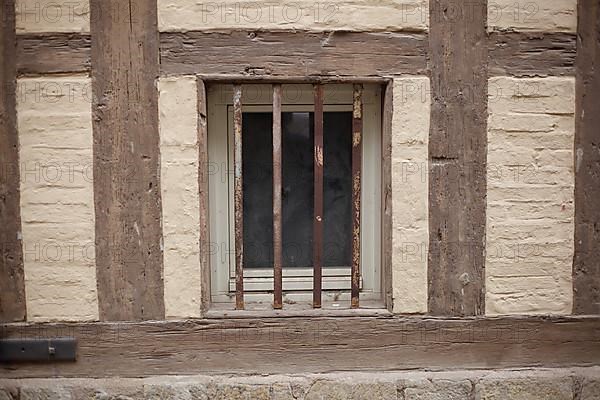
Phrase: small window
pixel 297 196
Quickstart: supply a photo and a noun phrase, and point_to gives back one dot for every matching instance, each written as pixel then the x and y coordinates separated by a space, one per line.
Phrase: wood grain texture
pixel 586 266
pixel 293 54
pixel 127 198
pixel 531 54
pixel 205 288
pixel 457 151
pixel 386 198
pixel 313 345
pixel 318 54
pixel 53 53
pixel 12 283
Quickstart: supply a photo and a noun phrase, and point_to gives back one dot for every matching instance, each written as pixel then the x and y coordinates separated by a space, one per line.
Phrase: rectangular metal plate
pixel 38 350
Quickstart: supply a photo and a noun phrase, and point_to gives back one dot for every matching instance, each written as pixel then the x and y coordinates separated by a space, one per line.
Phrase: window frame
pixel 258 283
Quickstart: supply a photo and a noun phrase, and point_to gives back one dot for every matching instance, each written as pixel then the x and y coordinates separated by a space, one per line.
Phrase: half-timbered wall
pixel 489 162
pixel 479 177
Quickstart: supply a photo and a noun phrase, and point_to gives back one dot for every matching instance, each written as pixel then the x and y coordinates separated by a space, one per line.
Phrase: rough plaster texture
pixel 57 197
pixel 530 205
pixel 525 15
pixel 335 15
pixel 36 16
pixel 410 191
pixel 178 125
pixel 532 384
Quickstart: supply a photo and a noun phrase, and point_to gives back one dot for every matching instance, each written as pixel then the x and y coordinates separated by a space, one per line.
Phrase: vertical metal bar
pixel 318 199
pixel 238 197
pixel 277 208
pixel 357 128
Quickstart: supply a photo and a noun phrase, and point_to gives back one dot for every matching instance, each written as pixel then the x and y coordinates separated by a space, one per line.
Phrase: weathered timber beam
pixel 457 140
pixel 586 265
pixel 531 54
pixel 289 345
pixel 316 54
pixel 53 53
pixel 127 195
pixel 12 280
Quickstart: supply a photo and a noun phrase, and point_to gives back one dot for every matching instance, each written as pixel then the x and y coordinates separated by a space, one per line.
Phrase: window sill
pixel 330 309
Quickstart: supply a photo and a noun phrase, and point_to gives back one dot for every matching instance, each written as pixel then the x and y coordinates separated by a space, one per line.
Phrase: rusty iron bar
pixel 277 207
pixel 357 133
pixel 318 197
pixel 238 197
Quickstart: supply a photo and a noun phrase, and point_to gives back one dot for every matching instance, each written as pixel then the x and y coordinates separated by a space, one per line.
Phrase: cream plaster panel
pixel 36 16
pixel 527 15
pixel 178 122
pixel 333 15
pixel 57 197
pixel 530 206
pixel 410 193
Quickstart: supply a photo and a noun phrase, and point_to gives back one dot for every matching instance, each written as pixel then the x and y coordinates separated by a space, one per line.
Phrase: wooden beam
pixel 238 196
pixel 277 198
pixel 203 197
pixel 510 53
pixel 53 53
pixel 292 79
pixel 318 198
pixel 532 53
pixel 126 160
pixel 386 194
pixel 12 282
pixel 293 54
pixel 586 266
pixel 290 345
pixel 357 133
pixel 457 151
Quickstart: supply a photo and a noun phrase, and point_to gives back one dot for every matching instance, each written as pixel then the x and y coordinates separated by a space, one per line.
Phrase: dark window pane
pixel 337 192
pixel 257 170
pixel 297 189
pixel 297 143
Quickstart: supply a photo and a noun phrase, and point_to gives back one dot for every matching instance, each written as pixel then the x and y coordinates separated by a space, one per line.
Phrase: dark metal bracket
pixel 38 350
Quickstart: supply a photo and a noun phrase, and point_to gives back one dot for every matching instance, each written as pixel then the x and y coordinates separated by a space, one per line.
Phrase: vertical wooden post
pixel 277 211
pixel 586 264
pixel 238 197
pixel 12 281
pixel 357 127
pixel 318 197
pixel 127 195
pixel 457 142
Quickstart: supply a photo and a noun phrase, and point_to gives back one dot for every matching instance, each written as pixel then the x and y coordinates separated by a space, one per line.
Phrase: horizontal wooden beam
pixel 532 54
pixel 284 54
pixel 53 53
pixel 293 53
pixel 289 345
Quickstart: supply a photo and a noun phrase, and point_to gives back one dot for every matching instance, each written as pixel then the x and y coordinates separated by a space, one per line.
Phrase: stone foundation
pixel 529 384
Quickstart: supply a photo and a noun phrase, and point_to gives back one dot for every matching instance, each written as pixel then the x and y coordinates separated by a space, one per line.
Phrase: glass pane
pixel 337 192
pixel 298 190
pixel 257 171
pixel 297 129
